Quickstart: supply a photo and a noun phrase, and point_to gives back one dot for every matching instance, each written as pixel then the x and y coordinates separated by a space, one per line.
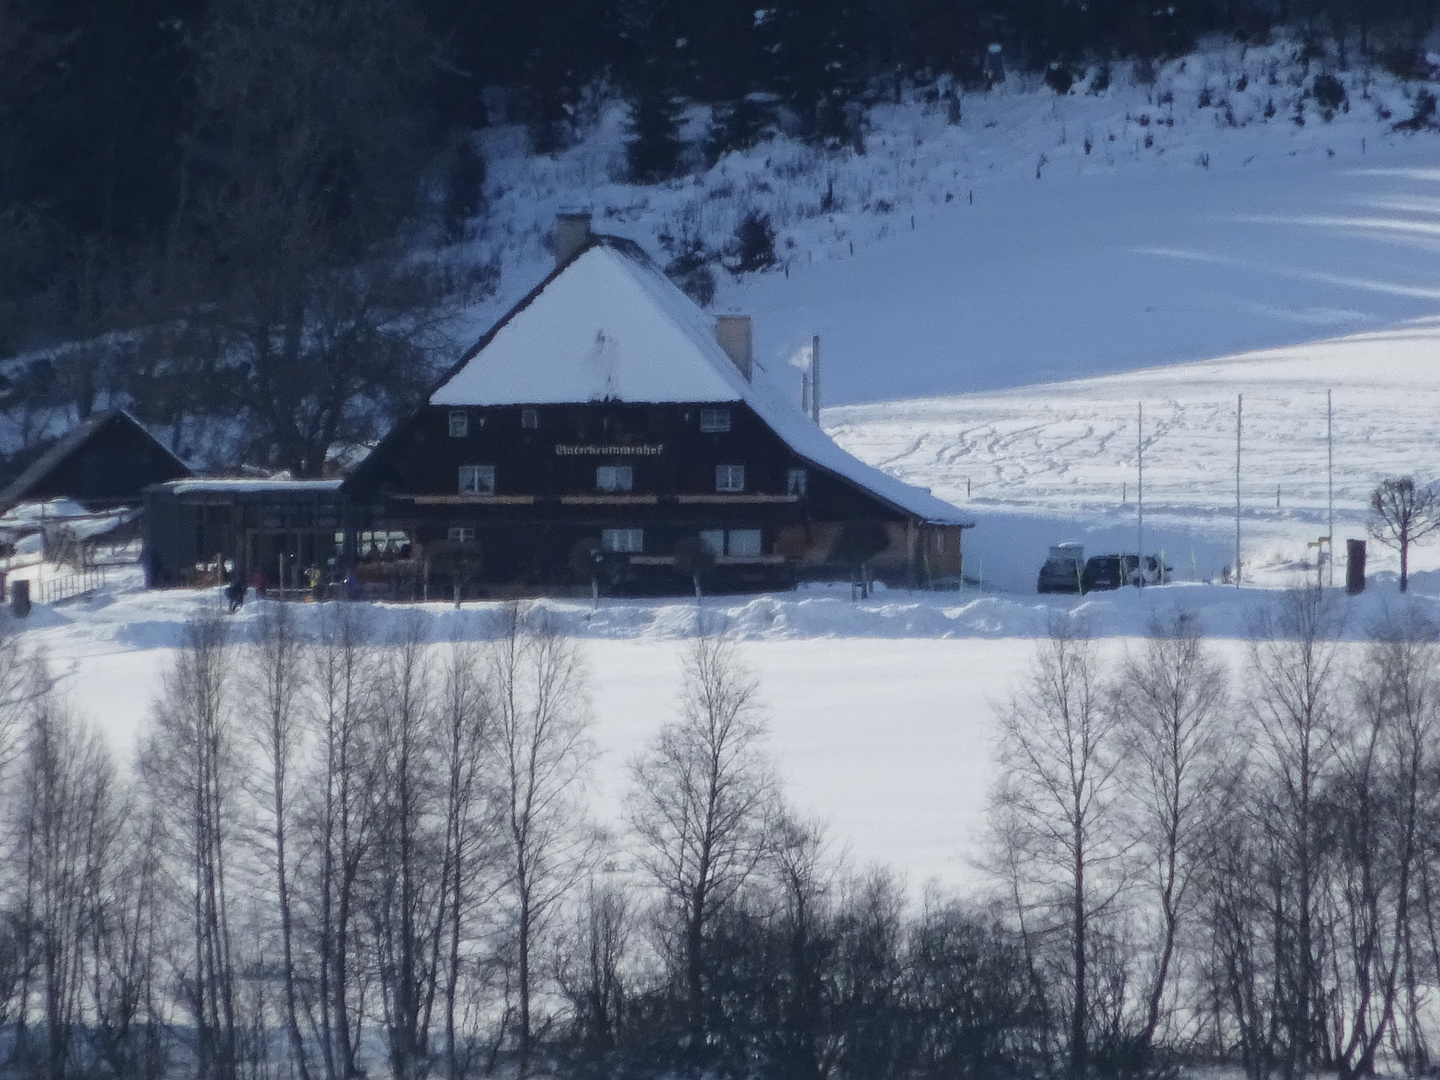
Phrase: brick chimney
pixel 732 333
pixel 572 233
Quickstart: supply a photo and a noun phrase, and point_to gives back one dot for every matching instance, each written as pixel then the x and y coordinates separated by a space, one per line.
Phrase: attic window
pixel 796 481
pixel 714 419
pixel 529 419
pixel 459 423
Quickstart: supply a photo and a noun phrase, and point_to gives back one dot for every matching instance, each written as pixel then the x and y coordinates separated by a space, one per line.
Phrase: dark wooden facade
pixel 106 461
pixel 550 520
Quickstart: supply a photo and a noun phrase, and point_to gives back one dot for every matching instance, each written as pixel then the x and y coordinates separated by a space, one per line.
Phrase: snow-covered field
pixel 1059 461
pixel 1132 243
pixel 881 712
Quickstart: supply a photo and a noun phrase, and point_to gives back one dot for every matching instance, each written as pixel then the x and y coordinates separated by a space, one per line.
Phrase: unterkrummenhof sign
pixel 643 450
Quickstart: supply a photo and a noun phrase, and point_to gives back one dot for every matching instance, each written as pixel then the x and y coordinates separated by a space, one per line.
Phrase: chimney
pixel 732 333
pixel 572 233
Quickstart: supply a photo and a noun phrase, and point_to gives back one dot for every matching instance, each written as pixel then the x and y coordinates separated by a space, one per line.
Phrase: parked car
pixel 1112 571
pixel 1062 570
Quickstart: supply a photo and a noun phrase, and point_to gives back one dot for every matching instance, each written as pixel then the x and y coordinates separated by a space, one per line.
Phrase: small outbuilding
pixel 279 528
pixel 106 461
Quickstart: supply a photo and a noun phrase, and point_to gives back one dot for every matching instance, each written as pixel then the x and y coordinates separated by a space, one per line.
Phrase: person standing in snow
pixel 234 587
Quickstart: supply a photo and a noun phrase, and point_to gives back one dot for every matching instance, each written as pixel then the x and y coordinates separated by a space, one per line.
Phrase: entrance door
pixel 284 555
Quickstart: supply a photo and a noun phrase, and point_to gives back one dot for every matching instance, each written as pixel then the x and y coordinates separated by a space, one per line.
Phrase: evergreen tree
pixel 653 150
pixel 654 146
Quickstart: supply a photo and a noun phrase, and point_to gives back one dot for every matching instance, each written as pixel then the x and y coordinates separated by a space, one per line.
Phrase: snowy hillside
pixel 1042 237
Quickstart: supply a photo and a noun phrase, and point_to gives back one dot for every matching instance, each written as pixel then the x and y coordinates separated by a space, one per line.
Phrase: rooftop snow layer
pixel 610 326
pixel 601 330
pixel 240 483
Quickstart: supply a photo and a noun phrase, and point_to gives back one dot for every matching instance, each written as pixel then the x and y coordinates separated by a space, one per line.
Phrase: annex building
pixel 607 433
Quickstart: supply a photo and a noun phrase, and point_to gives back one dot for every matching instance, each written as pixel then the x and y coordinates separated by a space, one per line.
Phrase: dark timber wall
pixel 546 520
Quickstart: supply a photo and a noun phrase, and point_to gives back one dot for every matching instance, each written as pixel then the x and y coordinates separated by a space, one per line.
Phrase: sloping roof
pixel 18 490
pixel 599 331
pixel 610 326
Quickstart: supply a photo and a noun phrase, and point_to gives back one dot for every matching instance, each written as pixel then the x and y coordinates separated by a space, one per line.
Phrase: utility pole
pixel 1140 493
pixel 1330 477
pixel 1239 412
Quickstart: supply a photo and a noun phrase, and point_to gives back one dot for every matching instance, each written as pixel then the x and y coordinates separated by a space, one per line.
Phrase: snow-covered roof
pixel 610 326
pixel 235 484
pixel 604 329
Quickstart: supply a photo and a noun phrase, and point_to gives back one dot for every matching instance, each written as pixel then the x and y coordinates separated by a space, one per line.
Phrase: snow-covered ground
pixel 1059 461
pixel 881 712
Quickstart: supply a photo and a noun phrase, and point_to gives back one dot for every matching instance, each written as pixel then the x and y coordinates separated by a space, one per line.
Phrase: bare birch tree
pixel 701 797
pixel 406 894
pixel 274 682
pixel 1294 678
pixel 1056 808
pixel 471 839
pixel 591 969
pixel 190 766
pixel 341 812
pixel 1171 700
pixel 1381 809
pixel 67 829
pixel 542 755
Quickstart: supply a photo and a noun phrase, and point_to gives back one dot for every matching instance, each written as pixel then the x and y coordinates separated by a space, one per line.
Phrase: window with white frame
pixel 714 419
pixel 477 479
pixel 713 541
pixel 614 478
pixel 461 534
pixel 529 418
pixel 622 541
pixel 743 543
pixel 796 481
pixel 459 423
pixel 729 477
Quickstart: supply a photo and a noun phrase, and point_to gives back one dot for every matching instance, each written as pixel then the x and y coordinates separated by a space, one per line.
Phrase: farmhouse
pixel 607 433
